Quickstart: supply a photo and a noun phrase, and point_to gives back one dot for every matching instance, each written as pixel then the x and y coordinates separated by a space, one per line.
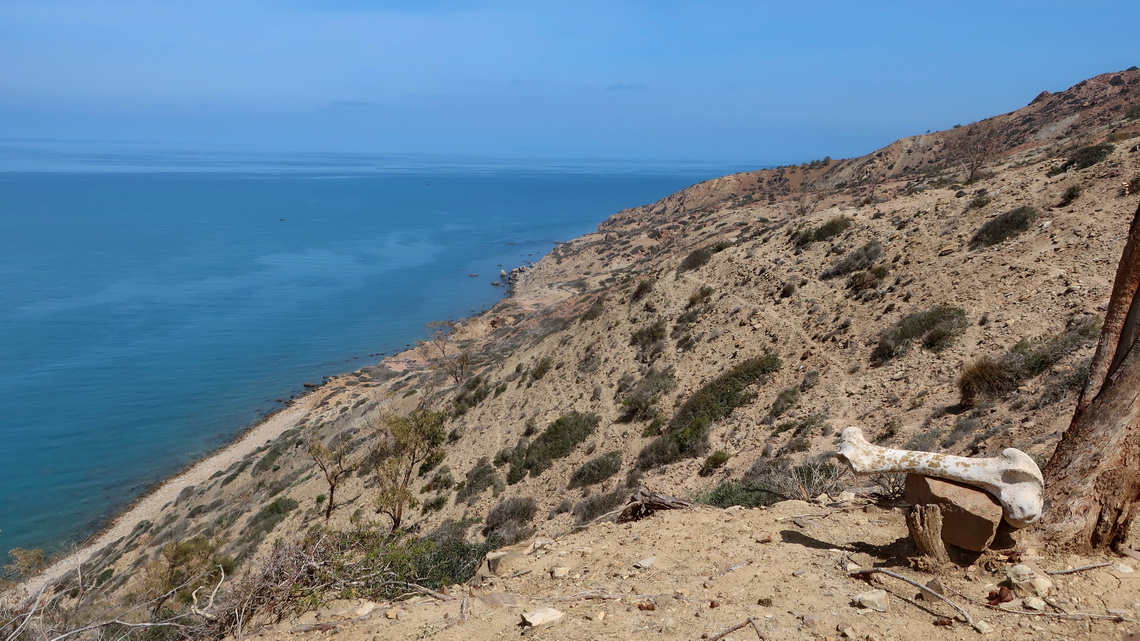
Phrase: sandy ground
pixel 149 506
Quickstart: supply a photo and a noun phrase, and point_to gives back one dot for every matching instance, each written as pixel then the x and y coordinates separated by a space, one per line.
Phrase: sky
pixel 712 81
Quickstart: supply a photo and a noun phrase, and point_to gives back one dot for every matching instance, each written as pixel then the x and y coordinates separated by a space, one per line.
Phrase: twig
pixel 1080 569
pixel 749 621
pixel 866 574
pixel 729 631
pixel 1073 616
pixel 421 589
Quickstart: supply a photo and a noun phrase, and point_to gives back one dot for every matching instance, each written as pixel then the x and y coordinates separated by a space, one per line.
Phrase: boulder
pixel 970 517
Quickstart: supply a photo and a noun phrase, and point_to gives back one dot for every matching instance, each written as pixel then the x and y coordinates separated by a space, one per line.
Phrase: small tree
pixel 440 347
pixel 973 146
pixel 334 463
pixel 406 441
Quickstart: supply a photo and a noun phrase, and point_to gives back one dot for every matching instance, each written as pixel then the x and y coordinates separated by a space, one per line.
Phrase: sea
pixel 156 302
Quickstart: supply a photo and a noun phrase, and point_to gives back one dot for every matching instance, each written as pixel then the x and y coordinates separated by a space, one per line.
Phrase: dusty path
pixel 149 506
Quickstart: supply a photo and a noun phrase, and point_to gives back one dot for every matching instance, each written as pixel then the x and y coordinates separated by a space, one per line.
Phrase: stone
pixel 810 620
pixel 873 600
pixel 366 608
pixel 394 613
pixel 541 617
pixel 1033 603
pixel 1026 581
pixel 933 584
pixel 504 563
pixel 983 627
pixel 970 517
pixel 559 572
pixel 1123 568
pixel 645 563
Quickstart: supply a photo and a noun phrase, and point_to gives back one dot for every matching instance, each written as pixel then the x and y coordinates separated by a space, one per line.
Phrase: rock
pixel 873 600
pixel 541 617
pixel 810 620
pixel 970 517
pixel 365 608
pixel 983 627
pixel 1033 603
pixel 846 630
pixel 503 563
pixel 764 601
pixel 935 585
pixel 1123 568
pixel 394 613
pixel 559 572
pixel 645 563
pixel 1026 581
pixel 846 496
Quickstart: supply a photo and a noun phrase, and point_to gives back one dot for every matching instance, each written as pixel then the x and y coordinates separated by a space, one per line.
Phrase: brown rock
pixel 970 517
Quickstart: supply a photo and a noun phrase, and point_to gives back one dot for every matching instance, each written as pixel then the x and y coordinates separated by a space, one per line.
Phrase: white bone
pixel 1012 478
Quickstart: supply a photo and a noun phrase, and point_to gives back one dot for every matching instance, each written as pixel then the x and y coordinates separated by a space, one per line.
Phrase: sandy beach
pixel 148 506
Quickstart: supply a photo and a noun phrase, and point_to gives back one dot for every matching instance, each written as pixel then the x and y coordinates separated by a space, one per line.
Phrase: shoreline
pixel 150 504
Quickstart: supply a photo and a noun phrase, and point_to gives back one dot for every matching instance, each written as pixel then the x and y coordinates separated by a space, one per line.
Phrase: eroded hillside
pixel 721 337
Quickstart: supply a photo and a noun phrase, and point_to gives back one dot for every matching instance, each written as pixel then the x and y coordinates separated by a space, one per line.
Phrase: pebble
pixel 1034 603
pixel 1124 568
pixel 873 600
pixel 645 563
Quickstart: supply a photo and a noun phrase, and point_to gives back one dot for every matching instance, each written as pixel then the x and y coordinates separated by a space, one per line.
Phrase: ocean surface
pixel 155 303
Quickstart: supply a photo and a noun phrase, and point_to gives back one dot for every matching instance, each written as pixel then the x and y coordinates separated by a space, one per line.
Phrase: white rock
pixel 873 600
pixel 1033 603
pixel 559 571
pixel 1124 568
pixel 541 617
pixel 983 627
pixel 366 608
pixel 645 563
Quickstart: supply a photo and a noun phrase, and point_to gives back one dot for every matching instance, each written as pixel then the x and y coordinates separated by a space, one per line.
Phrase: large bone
pixel 1012 478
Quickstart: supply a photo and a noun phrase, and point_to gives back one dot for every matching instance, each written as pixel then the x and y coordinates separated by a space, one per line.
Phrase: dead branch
pixel 204 612
pixel 1080 569
pixel 749 621
pixel 643 504
pixel 866 576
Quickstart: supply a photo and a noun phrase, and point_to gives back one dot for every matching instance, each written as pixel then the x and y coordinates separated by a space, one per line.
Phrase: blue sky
pixel 732 81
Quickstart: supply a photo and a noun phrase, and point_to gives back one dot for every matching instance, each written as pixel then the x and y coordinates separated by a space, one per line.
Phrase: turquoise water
pixel 155 304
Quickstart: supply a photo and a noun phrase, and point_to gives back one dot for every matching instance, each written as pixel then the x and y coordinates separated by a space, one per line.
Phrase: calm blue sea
pixel 154 304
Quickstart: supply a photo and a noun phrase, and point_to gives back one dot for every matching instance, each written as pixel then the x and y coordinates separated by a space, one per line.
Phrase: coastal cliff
pixel 700 347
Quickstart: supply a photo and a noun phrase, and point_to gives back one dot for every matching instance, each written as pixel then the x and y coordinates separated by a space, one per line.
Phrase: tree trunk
pixel 329 507
pixel 1092 481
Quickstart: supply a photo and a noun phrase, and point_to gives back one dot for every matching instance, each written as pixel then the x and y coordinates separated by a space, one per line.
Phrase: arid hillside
pixel 711 346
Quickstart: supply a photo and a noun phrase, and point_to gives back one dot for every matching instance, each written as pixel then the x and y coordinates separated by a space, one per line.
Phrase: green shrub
pixel 833 227
pixel 596 309
pixel 979 201
pixel 744 493
pixel 509 521
pixel 714 462
pixel 434 505
pixel 700 257
pixel 265 520
pixel 558 440
pixel 645 337
pixel 935 329
pixel 700 296
pixel 1133 113
pixel 784 480
pixel 1083 158
pixel 478 479
pixel 785 400
pixel 1002 227
pixel 642 290
pixel 988 378
pixel 688 432
pixel 856 260
pixel 596 470
pixel 592 507
pixel 639 403
pixel 544 366
pixel 1071 193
